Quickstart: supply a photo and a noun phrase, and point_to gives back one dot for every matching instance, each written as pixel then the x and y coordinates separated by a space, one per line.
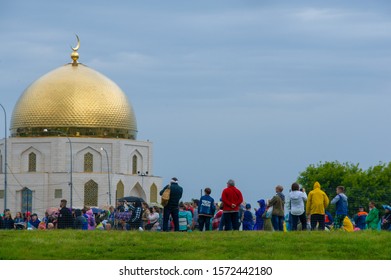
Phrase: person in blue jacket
pixel 248 219
pixel 258 214
pixel 206 210
pixel 341 202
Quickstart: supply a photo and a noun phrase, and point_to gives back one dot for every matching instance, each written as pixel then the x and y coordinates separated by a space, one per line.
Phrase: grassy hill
pixel 117 245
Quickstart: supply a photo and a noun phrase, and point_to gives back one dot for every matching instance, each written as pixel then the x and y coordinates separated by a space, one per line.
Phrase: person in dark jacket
pixel 80 221
pixel 172 207
pixel 64 219
pixel 8 222
pixel 206 210
pixel 135 222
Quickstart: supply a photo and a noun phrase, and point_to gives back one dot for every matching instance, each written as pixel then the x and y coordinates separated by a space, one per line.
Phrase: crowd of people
pixel 295 211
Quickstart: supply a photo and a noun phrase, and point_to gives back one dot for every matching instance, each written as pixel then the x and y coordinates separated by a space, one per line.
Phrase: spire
pixel 75 54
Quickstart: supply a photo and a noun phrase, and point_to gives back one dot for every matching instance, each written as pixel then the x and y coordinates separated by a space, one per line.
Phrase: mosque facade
pixel 73 136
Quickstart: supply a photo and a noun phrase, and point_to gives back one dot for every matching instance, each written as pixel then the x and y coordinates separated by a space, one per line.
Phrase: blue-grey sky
pixel 250 90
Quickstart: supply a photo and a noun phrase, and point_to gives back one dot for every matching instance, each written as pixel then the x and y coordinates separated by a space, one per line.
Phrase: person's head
pixel 145 205
pixel 174 180
pixel 195 203
pixel 50 226
pixel 78 212
pixel 207 191
pixel 261 203
pixel 372 205
pixel 231 183
pixel 107 226
pixel 340 189
pixel 63 203
pixel 248 206
pixel 34 217
pixel 137 204
pixel 181 205
pixel 387 208
pixel 295 187
pixel 156 209
pixel 7 214
pixel 361 208
pixel 279 189
pixel 18 215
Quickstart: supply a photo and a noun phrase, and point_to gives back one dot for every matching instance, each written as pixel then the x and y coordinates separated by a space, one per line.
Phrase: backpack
pixel 166 196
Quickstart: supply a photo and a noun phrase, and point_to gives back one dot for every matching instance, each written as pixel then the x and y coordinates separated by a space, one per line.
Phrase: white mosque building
pixel 73 136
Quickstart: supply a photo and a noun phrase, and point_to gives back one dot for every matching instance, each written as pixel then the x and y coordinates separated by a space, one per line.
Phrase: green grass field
pixel 117 245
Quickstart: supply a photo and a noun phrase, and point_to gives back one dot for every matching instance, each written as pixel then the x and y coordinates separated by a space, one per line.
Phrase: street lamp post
pixel 71 166
pixel 108 172
pixel 5 157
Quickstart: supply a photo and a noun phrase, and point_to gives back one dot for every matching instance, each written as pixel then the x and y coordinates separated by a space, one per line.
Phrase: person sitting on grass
pixel 8 222
pixel 19 221
pixel 347 225
pixel 359 218
pixel 34 221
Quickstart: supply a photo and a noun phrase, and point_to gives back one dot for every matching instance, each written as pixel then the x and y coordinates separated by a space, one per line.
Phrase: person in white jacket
pixel 296 206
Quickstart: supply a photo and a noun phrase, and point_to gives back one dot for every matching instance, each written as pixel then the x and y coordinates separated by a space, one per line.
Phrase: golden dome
pixel 77 101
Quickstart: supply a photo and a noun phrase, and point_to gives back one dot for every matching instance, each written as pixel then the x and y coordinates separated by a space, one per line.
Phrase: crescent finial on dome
pixel 75 54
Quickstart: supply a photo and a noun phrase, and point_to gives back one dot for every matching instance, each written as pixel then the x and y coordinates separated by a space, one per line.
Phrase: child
pixel 248 219
pixel 341 202
pixel 258 214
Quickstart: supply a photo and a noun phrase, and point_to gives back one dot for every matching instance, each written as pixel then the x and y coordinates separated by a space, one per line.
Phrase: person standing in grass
pixel 185 218
pixel 341 202
pixel 231 198
pixel 172 209
pixel 372 219
pixel 206 210
pixel 296 207
pixel 277 202
pixel 248 218
pixel 317 202
pixel 258 214
pixel 64 219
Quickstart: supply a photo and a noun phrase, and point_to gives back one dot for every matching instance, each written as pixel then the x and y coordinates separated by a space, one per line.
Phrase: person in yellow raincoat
pixel 317 202
pixel 347 225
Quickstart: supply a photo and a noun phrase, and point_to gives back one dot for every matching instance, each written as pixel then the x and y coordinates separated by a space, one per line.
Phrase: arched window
pixel 153 193
pixel 91 193
pixel 120 190
pixel 134 165
pixel 32 162
pixel 88 162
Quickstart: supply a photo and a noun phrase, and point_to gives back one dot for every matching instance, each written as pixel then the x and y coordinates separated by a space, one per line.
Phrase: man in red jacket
pixel 231 198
